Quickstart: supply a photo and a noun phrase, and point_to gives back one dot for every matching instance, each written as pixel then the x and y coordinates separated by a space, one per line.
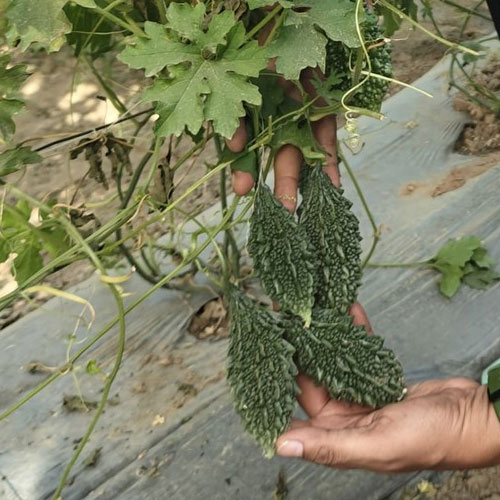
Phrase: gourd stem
pixel 160 5
pixel 264 22
pixel 229 240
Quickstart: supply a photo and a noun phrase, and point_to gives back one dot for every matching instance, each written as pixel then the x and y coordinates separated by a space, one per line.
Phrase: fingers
pixel 428 387
pixel 360 317
pixel 325 132
pixel 347 448
pixel 312 398
pixel 239 140
pixel 297 423
pixel 286 175
pixel 242 181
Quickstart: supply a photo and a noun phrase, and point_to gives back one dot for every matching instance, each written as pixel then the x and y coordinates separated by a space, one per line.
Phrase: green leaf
pixel 272 93
pixel 55 241
pixel 297 48
pixel 300 135
pixel 41 21
pixel 5 249
pixel 392 21
pixel 3 19
pixel 481 258
pixel 337 18
pixel 476 46
pixel 481 279
pixel 245 163
pixel 24 208
pixel 157 52
pixel 257 4
pixel 84 22
pixel 187 22
pixel 92 367
pixel 9 108
pixel 11 78
pixel 28 260
pixel 458 252
pixel 12 160
pixel 208 89
pixel 450 282
pixel 15 217
pixel 90 4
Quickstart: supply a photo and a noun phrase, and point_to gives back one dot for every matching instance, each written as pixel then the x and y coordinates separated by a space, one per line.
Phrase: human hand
pixel 288 159
pixel 441 424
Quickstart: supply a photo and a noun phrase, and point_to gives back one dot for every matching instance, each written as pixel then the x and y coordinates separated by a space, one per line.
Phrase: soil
pixel 456 178
pixel 481 484
pixel 56 107
pixel 482 134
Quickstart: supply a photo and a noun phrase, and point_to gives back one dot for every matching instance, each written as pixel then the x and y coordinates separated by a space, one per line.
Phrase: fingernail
pixel 291 449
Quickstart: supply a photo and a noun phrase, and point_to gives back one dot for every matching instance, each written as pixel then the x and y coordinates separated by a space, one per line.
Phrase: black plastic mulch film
pixel 494 6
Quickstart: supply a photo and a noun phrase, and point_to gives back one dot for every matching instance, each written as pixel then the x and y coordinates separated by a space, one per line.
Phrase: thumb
pixel 344 448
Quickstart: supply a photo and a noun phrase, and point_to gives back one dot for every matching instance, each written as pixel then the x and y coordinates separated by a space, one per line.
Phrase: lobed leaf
pixel 207 77
pixel 42 21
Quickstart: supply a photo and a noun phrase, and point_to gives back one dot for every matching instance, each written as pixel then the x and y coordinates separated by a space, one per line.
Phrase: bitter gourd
pixel 333 233
pixel 341 61
pixel 261 370
pixel 281 255
pixel 312 267
pixel 350 364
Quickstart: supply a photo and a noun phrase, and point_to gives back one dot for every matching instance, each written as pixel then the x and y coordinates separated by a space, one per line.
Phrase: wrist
pixel 493 430
pixel 474 438
pixel 485 430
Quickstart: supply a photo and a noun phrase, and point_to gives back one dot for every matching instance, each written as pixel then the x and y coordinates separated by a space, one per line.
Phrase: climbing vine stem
pixel 359 191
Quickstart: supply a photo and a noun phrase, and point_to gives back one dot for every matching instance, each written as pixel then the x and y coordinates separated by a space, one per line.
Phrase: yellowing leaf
pixel 63 295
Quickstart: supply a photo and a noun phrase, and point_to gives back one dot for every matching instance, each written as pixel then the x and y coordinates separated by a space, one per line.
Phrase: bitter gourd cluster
pixel 311 266
pixel 341 62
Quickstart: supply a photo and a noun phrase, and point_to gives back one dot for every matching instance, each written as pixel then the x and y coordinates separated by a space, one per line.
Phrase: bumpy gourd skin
pixel 333 233
pixel 340 60
pixel 316 260
pixel 350 364
pixel 281 255
pixel 261 371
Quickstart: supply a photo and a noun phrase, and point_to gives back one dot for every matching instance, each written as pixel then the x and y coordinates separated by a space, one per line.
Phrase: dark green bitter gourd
pixel 315 262
pixel 350 364
pixel 261 370
pixel 333 232
pixel 281 255
pixel 341 60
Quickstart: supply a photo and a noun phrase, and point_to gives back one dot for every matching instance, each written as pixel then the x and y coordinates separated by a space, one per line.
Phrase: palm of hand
pixel 437 425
